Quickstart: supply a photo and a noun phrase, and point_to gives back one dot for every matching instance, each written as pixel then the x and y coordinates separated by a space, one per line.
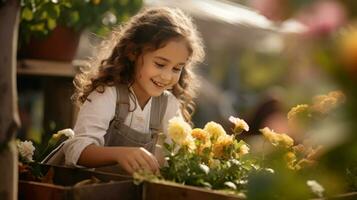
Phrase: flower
pixel 215 130
pixel 60 136
pixel 323 103
pixel 239 125
pixel 244 149
pixel 26 150
pixel 179 130
pixel 298 111
pixel 202 138
pixel 189 143
pixel 322 18
pixel 338 95
pixel 222 144
pixel 200 135
pixel 204 168
pixel 315 187
pixel 277 139
pixel 67 132
pixel 290 159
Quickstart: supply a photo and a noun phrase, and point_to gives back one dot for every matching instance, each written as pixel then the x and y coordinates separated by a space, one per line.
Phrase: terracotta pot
pixel 61 45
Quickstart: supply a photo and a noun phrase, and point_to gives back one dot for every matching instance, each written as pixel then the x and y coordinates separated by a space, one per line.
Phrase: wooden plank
pixel 45 68
pixel 161 191
pixel 111 186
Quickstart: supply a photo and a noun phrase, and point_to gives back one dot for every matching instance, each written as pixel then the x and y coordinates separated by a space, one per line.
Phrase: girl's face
pixel 159 70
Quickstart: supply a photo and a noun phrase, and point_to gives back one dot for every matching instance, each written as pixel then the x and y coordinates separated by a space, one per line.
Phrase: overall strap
pixel 158 109
pixel 122 107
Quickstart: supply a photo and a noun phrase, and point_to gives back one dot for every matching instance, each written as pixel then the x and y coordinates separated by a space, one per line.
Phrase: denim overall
pixel 119 134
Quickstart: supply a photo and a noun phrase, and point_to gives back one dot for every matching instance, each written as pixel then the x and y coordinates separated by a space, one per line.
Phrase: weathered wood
pixel 64 187
pixel 9 119
pixel 59 108
pixel 45 68
pixel 161 191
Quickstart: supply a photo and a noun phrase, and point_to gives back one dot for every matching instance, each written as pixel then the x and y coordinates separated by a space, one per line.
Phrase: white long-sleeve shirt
pixel 94 117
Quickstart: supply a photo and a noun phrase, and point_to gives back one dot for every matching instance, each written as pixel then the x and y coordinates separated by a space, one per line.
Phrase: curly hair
pixel 151 28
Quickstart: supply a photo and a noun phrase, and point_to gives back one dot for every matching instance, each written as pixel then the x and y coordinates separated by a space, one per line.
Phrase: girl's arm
pixel 130 159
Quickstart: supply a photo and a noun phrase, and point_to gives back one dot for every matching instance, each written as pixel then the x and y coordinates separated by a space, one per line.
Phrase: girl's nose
pixel 166 75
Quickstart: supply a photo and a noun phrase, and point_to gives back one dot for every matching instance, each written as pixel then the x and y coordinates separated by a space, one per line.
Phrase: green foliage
pixel 189 168
pixel 39 17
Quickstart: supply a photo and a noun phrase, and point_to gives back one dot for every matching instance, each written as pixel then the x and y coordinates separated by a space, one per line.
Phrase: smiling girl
pixel 128 97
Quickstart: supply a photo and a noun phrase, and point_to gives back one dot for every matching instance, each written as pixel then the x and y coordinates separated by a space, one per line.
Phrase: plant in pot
pixel 50 29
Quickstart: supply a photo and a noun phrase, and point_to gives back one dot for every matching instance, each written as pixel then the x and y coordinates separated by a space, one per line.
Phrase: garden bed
pixel 68 183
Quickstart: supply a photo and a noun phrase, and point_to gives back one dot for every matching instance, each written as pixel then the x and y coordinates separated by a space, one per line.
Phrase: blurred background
pixel 263 57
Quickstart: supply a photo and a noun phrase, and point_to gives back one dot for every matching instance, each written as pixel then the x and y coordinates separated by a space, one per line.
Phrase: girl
pixel 128 97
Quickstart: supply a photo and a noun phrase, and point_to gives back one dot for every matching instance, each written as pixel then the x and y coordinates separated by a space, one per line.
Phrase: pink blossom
pixel 323 17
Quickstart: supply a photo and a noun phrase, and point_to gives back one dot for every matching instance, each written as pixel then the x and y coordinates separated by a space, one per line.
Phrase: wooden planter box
pixel 162 191
pixel 111 186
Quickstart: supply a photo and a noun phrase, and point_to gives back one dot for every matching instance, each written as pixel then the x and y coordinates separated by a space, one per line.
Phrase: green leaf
pixel 167 147
pixel 38 27
pixel 54 11
pixel 51 23
pixel 27 14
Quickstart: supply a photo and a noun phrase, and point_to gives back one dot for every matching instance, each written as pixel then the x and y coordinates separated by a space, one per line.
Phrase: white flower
pixel 315 187
pixel 204 168
pixel 26 150
pixel 67 132
pixel 230 185
pixel 239 125
pixel 179 130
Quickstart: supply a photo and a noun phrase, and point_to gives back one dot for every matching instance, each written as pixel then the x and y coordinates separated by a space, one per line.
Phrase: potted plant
pixel 53 27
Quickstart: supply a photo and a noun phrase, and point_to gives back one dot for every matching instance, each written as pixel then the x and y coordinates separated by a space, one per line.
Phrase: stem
pixel 263 154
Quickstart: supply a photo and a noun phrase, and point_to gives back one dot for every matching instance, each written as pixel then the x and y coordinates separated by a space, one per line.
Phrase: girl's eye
pixel 177 70
pixel 159 65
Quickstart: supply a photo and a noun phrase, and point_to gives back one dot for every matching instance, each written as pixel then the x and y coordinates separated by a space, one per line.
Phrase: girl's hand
pixel 133 159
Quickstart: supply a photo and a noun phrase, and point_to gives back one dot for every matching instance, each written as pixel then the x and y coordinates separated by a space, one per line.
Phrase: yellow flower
pixel 203 139
pixel 338 95
pixel 277 139
pixel 179 130
pixel 222 144
pixel 200 134
pixel 215 130
pixel 244 149
pixel 290 159
pixel 201 147
pixel 286 140
pixel 239 125
pixel 297 111
pixel 189 143
pixel 323 103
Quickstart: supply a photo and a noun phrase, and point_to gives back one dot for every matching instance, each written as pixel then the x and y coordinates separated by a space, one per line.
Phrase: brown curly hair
pixel 151 28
